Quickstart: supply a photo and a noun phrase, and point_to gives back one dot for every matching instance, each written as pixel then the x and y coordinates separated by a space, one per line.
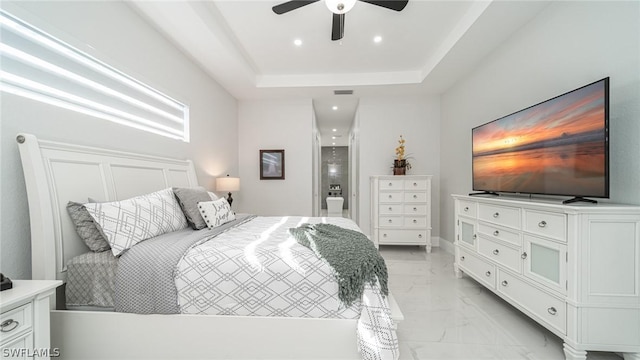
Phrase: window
pixel 38 66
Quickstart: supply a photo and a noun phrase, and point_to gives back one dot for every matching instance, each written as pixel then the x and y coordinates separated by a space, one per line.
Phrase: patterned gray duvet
pixel 251 267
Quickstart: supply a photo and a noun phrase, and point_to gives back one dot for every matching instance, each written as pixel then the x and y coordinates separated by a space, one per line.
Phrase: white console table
pixel 574 269
pixel 24 319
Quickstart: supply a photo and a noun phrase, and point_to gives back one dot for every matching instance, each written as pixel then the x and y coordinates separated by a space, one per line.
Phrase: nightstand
pixel 24 319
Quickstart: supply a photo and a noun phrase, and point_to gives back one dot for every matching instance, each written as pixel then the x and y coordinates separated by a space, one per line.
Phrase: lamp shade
pixel 227 184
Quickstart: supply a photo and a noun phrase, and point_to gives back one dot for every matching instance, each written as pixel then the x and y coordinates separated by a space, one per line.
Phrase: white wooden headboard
pixel 56 173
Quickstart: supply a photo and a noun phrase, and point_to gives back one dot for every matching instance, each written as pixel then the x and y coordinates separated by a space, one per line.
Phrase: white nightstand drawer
pixel 415 184
pixel 501 215
pixel 415 209
pixel 390 209
pixel 391 197
pixel 15 322
pixel 415 197
pixel 403 237
pixel 546 224
pixel 390 221
pixel 391 184
pixel 25 341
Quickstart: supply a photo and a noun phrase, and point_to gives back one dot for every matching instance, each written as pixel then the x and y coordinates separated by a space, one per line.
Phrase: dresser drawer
pixel 16 322
pixel 415 209
pixel 415 184
pixel 468 208
pixel 402 237
pixel 390 221
pixel 19 344
pixel 480 269
pixel 546 224
pixel 500 253
pixel 501 215
pixel 415 197
pixel 415 221
pixel 390 209
pixel 391 197
pixel 391 184
pixel 547 308
pixel 494 232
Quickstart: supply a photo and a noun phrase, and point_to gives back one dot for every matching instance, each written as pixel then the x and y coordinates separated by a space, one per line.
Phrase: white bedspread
pixel 258 269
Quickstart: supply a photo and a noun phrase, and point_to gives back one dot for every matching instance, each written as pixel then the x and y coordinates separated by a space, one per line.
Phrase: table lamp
pixel 228 184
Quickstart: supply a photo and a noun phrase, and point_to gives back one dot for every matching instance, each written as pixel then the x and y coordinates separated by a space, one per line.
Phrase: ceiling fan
pixel 339 8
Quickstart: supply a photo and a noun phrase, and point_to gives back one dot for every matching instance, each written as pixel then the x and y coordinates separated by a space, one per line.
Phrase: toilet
pixel 334 206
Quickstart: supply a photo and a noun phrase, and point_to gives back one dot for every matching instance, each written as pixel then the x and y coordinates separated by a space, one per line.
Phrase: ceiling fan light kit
pixel 339 8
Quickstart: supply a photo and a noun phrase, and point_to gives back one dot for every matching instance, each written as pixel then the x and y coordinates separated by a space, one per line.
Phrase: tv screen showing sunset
pixel 557 147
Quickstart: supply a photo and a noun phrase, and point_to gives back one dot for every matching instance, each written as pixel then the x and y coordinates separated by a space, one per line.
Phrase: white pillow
pixel 216 213
pixel 213 196
pixel 128 222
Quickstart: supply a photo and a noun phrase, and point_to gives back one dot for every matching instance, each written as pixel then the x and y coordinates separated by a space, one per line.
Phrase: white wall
pixel 381 121
pixel 568 45
pixel 113 33
pixel 272 125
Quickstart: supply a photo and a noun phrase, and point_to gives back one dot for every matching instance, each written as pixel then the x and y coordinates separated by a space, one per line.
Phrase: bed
pixel 56 173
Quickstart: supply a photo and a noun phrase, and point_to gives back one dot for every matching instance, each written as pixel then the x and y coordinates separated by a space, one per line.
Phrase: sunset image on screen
pixel 556 147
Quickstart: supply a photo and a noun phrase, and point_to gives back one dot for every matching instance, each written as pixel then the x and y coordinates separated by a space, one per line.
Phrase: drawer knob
pixel 496 233
pixel 390 208
pixel 419 236
pixel 496 252
pixel 474 236
pixel 415 221
pixel 496 214
pixel 390 196
pixel 390 184
pixel 461 258
pixel 415 196
pixel 415 184
pixel 390 221
pixel 384 235
pixel 524 255
pixel 415 209
pixel 466 208
pixel 552 310
pixel 488 273
pixel 505 283
pixel 542 224
pixel 8 325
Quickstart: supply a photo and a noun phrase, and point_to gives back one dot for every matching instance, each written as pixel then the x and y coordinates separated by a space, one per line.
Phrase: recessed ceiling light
pixel 297 42
pixel 335 107
pixel 377 39
pixel 333 137
pixel 333 143
pixel 334 130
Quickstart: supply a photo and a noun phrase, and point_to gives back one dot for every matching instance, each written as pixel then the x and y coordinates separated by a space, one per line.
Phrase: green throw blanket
pixel 352 255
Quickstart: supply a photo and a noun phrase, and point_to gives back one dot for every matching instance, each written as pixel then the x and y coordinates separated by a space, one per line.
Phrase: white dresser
pixel 573 269
pixel 24 321
pixel 401 210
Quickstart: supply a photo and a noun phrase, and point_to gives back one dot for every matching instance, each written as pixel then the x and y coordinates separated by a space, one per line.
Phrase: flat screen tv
pixel 557 147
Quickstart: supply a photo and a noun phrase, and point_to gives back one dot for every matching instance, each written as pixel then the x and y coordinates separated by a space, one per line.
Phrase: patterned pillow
pixel 128 222
pixel 86 228
pixel 216 213
pixel 188 199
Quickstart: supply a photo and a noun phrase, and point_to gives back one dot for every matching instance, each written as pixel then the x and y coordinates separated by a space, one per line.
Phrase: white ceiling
pixel 250 50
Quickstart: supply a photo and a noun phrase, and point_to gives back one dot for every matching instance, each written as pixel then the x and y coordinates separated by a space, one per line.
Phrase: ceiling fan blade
pixel 337 30
pixel 396 5
pixel 291 5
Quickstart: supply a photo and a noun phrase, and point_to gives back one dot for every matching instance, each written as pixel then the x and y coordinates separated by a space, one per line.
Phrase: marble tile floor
pixel 449 318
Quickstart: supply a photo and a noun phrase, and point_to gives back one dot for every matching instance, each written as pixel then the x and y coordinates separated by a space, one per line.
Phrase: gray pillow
pixel 86 228
pixel 188 199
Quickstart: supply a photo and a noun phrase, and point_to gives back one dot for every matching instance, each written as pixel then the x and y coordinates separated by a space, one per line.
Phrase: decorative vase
pixel 399 167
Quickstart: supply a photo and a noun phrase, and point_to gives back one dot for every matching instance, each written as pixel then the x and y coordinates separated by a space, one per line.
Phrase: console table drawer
pixel 547 308
pixel 480 269
pixel 499 253
pixel 546 224
pixel 501 215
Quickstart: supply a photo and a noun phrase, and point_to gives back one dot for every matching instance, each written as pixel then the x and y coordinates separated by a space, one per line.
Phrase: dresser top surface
pixel 548 203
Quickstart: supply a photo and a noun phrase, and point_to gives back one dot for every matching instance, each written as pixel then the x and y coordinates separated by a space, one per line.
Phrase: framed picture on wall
pixel 271 164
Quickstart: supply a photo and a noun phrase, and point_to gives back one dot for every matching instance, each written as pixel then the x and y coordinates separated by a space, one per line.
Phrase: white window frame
pixel 77 81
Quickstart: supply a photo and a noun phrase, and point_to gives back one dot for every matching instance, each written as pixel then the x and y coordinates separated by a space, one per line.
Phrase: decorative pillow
pixel 213 196
pixel 188 199
pixel 216 212
pixel 128 222
pixel 86 228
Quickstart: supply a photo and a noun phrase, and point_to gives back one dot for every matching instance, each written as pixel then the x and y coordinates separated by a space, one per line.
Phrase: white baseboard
pixel 445 245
